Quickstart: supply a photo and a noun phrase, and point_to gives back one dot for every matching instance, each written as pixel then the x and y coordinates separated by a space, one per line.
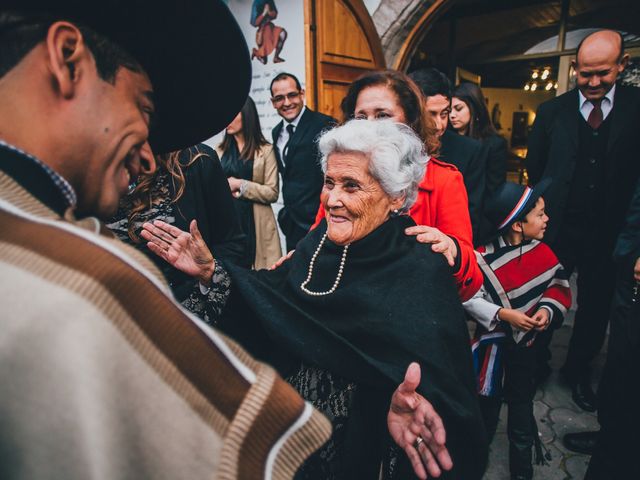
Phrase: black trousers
pixel 519 390
pixel 596 283
pixel 615 456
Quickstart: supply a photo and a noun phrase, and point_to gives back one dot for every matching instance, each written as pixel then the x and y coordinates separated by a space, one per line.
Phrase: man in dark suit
pixel 298 158
pixel 467 154
pixel 587 140
pixel 613 449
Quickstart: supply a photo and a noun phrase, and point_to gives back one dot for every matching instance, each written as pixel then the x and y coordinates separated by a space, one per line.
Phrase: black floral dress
pixel 333 396
pixel 205 303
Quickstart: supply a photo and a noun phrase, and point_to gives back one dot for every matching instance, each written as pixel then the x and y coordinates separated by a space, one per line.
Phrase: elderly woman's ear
pixel 397 204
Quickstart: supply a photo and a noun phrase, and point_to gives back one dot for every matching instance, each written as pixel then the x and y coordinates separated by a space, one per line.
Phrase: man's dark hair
pixel 432 82
pixel 20 33
pixel 620 55
pixel 284 76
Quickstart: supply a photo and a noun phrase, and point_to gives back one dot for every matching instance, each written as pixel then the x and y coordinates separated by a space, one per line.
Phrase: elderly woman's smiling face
pixel 354 202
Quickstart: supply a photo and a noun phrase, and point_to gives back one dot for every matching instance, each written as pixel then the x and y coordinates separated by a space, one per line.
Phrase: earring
pixel 394 212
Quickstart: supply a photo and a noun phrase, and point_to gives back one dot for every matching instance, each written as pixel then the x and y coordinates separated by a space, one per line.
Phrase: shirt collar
pixel 607 98
pixel 60 183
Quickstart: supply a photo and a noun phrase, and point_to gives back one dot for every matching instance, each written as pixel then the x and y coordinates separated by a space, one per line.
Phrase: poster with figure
pixel 269 36
pixel 274 32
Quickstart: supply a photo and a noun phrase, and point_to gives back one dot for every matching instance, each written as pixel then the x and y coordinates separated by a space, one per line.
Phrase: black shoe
pixel 583 396
pixel 581 442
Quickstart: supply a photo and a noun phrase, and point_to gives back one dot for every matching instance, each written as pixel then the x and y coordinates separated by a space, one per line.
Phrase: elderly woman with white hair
pixel 357 303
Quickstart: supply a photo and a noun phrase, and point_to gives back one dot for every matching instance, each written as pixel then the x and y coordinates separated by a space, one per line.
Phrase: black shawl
pixel 396 303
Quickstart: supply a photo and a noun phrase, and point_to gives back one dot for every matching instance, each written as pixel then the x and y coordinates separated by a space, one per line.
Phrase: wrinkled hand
pixel 281 260
pixel 185 251
pixel 411 416
pixel 542 318
pixel 440 243
pixel 517 319
pixel 636 270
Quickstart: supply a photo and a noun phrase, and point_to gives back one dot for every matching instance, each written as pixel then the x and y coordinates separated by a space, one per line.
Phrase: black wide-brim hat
pixel 193 51
pixel 511 203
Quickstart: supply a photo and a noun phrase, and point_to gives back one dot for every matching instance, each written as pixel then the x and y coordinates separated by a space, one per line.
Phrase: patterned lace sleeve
pixel 208 303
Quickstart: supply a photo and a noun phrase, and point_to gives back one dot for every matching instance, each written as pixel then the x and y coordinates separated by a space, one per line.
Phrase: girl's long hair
pixel 251 131
pixel 480 126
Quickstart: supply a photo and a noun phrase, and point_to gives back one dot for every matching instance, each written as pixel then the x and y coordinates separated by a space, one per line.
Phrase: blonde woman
pixel 249 163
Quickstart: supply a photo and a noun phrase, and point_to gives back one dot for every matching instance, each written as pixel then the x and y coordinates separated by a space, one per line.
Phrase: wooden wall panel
pixel 343 44
pixel 341 38
pixel 333 93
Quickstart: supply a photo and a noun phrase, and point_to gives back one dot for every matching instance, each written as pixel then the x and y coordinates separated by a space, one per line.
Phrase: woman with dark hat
pixel 356 303
pixel 525 290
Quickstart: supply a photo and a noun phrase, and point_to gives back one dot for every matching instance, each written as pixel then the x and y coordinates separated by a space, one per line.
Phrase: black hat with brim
pixel 511 203
pixel 193 51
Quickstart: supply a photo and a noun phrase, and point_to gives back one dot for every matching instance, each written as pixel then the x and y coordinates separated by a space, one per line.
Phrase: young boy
pixel 525 289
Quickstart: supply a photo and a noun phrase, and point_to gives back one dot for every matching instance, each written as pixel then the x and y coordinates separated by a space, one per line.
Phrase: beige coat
pixel 263 191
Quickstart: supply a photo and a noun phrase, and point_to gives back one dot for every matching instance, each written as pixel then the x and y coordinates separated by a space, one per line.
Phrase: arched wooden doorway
pixel 417 33
pixel 341 44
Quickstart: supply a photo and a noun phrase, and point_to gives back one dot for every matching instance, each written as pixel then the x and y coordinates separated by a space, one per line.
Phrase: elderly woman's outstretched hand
pixel 416 427
pixel 186 251
pixel 440 243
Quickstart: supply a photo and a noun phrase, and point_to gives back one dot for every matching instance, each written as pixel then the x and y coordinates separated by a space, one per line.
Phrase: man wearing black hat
pixel 584 140
pixel 102 374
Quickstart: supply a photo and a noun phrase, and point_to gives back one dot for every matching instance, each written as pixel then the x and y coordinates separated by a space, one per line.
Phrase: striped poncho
pixel 525 277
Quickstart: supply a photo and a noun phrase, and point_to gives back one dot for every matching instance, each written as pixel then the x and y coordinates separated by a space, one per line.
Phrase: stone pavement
pixel 556 415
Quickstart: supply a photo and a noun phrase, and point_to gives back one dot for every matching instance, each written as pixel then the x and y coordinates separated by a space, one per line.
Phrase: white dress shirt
pixel 607 104
pixel 284 134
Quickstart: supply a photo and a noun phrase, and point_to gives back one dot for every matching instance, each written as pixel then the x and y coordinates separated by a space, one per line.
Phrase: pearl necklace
pixel 303 285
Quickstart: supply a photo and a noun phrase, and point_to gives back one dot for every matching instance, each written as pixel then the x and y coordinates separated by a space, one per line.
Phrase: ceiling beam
pixel 534 56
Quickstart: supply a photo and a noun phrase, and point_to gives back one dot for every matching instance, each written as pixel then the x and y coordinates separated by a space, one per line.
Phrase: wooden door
pixel 341 44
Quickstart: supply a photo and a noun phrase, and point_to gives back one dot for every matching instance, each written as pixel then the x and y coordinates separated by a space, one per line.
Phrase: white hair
pixel 397 157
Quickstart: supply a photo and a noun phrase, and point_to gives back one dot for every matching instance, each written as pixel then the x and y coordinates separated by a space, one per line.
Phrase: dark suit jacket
pixel 207 198
pixel 302 177
pixel 496 167
pixel 470 157
pixel 628 244
pixel 553 153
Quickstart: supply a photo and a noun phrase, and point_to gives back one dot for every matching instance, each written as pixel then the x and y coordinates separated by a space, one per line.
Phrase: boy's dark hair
pixel 284 76
pixel 20 33
pixel 432 82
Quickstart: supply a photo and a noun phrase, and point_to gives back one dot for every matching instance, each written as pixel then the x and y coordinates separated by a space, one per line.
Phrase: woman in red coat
pixel 441 210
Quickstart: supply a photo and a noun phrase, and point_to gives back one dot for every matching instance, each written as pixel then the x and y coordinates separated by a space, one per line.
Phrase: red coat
pixel 442 203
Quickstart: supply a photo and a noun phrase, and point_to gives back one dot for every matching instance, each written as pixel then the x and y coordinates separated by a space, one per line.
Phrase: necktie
pixel 285 150
pixel 595 117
